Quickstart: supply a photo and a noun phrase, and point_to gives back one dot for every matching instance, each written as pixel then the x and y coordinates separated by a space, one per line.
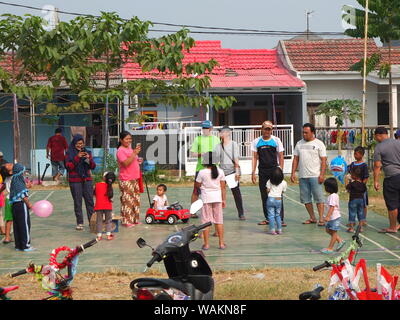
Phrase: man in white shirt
pixel 268 152
pixel 310 159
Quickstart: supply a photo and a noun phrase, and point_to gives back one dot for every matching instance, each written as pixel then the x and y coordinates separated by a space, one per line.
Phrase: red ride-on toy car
pixel 171 215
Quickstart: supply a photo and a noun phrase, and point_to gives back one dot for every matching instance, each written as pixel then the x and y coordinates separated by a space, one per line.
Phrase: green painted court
pixel 249 245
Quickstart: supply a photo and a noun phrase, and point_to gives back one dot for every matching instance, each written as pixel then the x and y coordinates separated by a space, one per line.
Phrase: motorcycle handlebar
pixel 203 226
pixel 18 273
pixel 153 259
pixel 326 264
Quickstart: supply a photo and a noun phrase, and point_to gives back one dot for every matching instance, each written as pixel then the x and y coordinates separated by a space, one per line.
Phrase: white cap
pixel 1 154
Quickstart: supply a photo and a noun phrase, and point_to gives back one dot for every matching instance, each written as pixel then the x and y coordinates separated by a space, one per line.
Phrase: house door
pixel 257 117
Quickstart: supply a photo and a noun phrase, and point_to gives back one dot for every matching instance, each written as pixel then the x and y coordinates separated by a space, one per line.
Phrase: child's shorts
pixel 212 212
pixel 8 211
pixel 333 225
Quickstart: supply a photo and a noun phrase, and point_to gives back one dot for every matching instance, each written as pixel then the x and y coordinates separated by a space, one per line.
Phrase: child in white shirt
pixel 276 186
pixel 160 201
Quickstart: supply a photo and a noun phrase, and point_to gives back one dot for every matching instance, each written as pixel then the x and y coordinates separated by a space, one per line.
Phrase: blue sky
pixel 251 14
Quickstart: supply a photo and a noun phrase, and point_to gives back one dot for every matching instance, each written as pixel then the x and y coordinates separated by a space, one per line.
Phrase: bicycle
pixel 348 278
pixel 344 291
pixel 49 276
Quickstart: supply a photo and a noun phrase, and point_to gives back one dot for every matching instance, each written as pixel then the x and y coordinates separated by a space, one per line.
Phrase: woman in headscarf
pixel 20 209
pixel 79 163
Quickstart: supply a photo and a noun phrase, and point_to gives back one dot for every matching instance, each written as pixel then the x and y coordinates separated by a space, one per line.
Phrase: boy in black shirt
pixel 357 189
pixel 359 157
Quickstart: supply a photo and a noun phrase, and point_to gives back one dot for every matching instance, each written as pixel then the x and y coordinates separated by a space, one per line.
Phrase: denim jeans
pixel 356 208
pixel 310 188
pixel 274 214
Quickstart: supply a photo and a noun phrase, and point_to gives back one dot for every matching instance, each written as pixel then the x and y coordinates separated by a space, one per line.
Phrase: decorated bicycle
pixel 57 286
pixel 345 277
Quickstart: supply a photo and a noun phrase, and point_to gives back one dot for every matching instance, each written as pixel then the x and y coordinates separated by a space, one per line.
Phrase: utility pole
pixel 364 101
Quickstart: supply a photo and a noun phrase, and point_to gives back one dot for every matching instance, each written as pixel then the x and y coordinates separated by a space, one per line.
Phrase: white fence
pixel 243 135
pixel 187 131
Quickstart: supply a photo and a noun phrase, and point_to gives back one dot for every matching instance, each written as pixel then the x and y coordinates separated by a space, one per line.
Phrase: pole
pixel 17 149
pixel 364 99
pixel 106 139
pixel 33 135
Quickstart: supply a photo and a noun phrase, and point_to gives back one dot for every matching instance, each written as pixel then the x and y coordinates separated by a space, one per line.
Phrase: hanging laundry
pixel 334 136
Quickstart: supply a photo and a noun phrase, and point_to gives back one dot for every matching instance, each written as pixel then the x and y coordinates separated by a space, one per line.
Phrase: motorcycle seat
pixel 162 283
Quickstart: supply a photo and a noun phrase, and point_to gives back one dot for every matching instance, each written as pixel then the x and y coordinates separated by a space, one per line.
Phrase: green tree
pixel 16 31
pixel 384 23
pixel 342 110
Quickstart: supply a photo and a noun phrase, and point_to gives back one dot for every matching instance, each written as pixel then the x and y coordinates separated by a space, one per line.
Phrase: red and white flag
pixel 385 280
pixel 360 270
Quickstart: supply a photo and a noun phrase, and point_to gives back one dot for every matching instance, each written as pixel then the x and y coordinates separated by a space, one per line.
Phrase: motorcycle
pixel 189 275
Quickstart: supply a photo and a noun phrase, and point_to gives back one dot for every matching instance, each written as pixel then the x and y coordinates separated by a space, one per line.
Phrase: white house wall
pixel 325 90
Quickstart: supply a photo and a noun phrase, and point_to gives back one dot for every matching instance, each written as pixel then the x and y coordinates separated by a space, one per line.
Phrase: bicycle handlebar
pixel 19 273
pixel 87 245
pixel 356 236
pixel 326 264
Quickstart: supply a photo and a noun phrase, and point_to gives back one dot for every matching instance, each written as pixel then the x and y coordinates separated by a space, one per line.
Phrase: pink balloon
pixel 42 208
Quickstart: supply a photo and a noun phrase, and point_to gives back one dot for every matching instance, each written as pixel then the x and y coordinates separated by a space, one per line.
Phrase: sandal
pixel 204 248
pixel 321 224
pixel 79 227
pixel 263 223
pixel 387 231
pixel 310 221
pixel 222 247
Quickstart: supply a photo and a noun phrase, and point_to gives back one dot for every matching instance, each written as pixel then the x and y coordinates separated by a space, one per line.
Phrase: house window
pixel 151 116
pixel 320 120
pixel 383 113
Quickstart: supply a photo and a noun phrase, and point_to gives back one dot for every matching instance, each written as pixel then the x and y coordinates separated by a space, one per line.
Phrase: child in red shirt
pixel 103 207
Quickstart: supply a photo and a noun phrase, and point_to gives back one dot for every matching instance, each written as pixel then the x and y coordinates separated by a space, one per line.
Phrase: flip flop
pixel 321 224
pixel 310 221
pixel 263 223
pixel 205 248
pixel 386 231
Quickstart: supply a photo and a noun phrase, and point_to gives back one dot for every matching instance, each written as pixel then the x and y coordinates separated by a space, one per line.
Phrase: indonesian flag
pixel 385 280
pixel 343 272
pixel 358 272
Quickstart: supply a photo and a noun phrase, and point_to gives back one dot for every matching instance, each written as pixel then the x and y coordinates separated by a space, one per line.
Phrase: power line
pixel 238 30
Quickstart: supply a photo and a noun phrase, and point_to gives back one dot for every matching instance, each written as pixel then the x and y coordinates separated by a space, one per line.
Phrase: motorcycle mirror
pixel 141 243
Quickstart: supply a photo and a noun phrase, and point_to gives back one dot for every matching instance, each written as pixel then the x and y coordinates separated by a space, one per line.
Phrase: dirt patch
pixel 263 284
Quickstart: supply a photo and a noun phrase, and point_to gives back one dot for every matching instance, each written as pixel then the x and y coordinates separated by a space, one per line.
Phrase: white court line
pixel 48 196
pixel 32 194
pixel 372 241
pixel 369 225
pixel 294 190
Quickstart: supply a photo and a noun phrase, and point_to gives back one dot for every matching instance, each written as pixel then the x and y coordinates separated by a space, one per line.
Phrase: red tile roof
pixel 237 68
pixel 395 54
pixel 327 55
